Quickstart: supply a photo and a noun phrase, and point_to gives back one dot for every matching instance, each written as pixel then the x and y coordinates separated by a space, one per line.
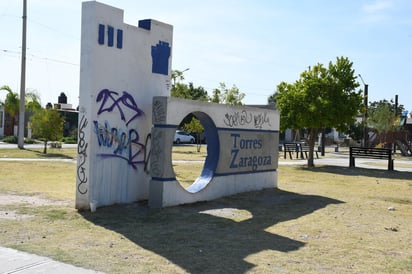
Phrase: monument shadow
pixel 206 237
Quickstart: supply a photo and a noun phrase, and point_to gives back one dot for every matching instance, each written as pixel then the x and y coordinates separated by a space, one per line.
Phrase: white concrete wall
pixel 120 71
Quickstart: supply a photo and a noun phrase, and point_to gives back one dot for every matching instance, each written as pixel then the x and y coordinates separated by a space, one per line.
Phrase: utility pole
pixel 365 116
pixel 20 138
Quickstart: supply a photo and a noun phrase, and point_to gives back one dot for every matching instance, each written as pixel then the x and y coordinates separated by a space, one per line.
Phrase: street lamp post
pixel 365 116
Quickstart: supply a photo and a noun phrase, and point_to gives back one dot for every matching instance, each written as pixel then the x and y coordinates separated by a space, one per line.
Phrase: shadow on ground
pixel 369 172
pixel 206 237
pixel 49 154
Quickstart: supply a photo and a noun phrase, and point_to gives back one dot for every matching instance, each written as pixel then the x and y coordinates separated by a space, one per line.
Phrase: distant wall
pixel 122 67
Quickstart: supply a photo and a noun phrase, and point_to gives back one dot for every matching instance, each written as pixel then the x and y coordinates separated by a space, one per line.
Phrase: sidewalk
pixel 13 261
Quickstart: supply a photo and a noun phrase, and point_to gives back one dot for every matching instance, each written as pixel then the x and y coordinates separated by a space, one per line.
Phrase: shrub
pixel 10 139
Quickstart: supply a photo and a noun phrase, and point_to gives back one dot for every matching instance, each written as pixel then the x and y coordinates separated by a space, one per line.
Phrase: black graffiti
pixel 147 152
pixel 240 118
pixel 125 145
pixel 82 156
pixel 261 119
pixel 110 100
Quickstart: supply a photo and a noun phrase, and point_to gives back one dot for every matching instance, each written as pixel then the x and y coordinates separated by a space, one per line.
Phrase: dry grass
pixel 188 153
pixel 35 153
pixel 53 180
pixel 321 220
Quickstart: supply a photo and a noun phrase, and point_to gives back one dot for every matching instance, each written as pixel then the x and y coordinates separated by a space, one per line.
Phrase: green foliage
pixel 13 140
pixel 194 126
pixel 382 117
pixel 47 124
pixel 11 103
pixel 356 131
pixel 32 101
pixel 10 139
pixel 69 140
pixel 322 97
pixel 224 95
pixel 184 91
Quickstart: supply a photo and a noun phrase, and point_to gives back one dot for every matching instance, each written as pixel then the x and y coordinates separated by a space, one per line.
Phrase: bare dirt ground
pixel 13 199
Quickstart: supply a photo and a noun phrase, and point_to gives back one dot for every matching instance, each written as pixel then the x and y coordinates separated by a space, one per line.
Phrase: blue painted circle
pixel 212 157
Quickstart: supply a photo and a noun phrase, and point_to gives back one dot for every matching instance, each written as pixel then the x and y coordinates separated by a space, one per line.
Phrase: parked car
pixel 183 137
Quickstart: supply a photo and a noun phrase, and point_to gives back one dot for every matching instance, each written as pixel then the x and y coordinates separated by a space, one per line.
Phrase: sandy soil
pixel 10 199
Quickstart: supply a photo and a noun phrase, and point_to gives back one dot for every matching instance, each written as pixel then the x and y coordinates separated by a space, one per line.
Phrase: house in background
pixel 66 110
pixel 69 114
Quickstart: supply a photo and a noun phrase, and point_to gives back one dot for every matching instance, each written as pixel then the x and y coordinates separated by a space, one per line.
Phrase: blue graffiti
pixel 160 58
pixel 123 145
pixel 111 100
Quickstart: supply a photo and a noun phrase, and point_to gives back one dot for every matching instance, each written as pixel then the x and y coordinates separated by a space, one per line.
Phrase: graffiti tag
pixel 125 104
pixel 241 118
pixel 122 144
pixel 82 155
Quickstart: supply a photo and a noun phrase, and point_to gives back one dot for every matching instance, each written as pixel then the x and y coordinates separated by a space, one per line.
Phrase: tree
pixel 321 98
pixel 32 101
pixel 231 96
pixel 384 118
pixel 177 75
pixel 191 92
pixel 195 127
pixel 47 124
pixel 12 103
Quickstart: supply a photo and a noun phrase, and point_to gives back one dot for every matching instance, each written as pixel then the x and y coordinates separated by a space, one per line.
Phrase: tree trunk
pixel 199 142
pixel 311 143
pixel 45 147
pixel 323 142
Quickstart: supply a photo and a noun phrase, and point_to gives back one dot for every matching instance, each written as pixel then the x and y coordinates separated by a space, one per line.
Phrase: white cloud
pixel 377 6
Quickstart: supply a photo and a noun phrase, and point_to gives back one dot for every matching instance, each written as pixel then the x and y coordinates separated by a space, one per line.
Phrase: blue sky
pixel 251 44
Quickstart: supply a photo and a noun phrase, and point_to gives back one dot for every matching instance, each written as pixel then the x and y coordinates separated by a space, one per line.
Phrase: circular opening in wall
pixel 195 151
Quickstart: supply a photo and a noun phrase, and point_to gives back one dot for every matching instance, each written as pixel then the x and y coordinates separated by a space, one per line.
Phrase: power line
pixel 11 52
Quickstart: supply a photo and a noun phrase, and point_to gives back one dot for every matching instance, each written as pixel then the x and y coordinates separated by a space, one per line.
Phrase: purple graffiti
pixel 121 144
pixel 109 100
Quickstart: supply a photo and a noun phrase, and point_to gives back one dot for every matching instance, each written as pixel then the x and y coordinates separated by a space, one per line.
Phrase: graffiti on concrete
pixel 242 118
pixel 123 144
pixel 124 104
pixel 82 155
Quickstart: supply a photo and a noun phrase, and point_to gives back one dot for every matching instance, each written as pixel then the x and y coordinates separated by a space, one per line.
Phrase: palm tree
pixel 12 103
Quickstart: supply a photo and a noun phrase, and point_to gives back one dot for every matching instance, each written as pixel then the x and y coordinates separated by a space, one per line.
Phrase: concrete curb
pixel 14 261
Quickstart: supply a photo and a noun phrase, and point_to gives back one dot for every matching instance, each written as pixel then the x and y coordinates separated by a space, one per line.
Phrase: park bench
pixel 290 148
pixel 372 153
pixel 304 148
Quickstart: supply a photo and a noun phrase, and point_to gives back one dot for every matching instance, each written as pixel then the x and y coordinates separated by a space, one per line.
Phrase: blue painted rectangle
pixel 110 38
pixel 119 39
pixel 101 34
pixel 145 24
